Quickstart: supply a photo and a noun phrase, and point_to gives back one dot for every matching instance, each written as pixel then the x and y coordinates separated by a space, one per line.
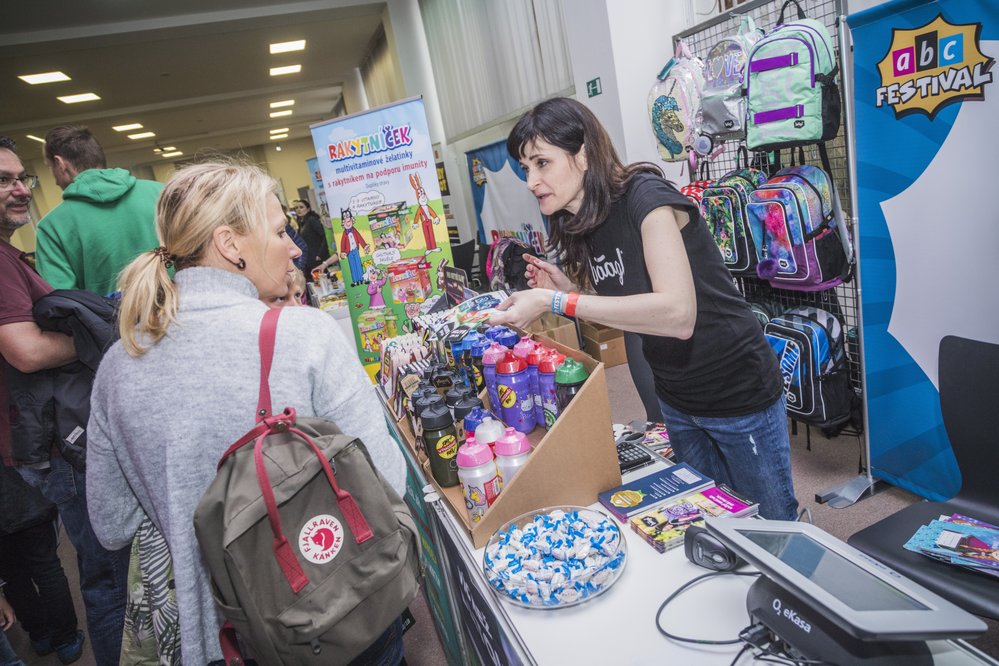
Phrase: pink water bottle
pixel 524 347
pixel 512 451
pixel 479 481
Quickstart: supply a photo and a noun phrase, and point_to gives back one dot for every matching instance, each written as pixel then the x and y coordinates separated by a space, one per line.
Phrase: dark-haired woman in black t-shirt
pixel 641 246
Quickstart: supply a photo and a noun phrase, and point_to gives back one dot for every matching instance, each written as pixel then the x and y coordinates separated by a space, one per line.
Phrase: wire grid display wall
pixel 843 301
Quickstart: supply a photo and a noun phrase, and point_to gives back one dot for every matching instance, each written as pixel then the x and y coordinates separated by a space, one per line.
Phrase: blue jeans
pixel 7 655
pixel 751 454
pixel 103 573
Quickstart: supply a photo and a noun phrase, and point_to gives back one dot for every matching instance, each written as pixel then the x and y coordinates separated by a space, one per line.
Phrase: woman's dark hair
pixel 570 125
pixel 303 202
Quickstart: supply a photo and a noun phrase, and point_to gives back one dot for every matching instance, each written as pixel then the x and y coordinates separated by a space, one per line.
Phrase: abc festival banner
pixel 384 200
pixel 927 105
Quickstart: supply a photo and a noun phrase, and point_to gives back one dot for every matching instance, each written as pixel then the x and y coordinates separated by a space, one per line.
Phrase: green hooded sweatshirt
pixel 106 219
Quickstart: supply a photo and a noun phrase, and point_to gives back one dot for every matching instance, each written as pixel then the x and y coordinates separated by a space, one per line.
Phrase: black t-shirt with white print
pixel 726 368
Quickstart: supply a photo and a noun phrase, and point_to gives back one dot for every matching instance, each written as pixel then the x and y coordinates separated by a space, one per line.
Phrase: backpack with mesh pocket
pixel 674 102
pixel 311 553
pixel 810 351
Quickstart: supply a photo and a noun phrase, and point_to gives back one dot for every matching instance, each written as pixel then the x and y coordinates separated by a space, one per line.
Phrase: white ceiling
pixel 195 72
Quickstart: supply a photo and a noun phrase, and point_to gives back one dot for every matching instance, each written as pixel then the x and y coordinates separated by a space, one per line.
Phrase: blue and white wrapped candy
pixel 560 557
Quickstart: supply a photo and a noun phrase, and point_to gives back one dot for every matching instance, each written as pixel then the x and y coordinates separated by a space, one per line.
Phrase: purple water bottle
pixel 533 361
pixel 514 389
pixel 490 357
pixel 546 386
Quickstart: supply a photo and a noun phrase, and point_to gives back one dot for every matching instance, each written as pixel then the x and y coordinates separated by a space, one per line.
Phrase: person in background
pixel 631 237
pixel 29 563
pixel 289 229
pixel 104 220
pixel 28 349
pixel 296 291
pixel 310 228
pixel 189 345
pixel 7 618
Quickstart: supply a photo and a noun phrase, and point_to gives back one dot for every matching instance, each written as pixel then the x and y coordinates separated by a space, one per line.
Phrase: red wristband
pixel 570 304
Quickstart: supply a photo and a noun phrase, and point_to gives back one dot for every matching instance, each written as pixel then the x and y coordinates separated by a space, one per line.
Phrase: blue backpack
pixel 810 351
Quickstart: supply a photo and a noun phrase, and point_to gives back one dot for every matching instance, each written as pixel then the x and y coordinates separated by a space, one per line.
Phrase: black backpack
pixel 506 266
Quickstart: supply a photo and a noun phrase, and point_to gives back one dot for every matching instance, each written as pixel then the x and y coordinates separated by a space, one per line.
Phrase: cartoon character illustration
pixel 351 243
pixel 666 121
pixel 426 216
pixel 376 280
pixel 440 275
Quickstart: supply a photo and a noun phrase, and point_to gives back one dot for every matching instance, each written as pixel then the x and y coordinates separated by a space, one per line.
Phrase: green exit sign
pixel 593 87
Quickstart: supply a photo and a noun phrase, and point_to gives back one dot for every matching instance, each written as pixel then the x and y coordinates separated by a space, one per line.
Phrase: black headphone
pixel 707 551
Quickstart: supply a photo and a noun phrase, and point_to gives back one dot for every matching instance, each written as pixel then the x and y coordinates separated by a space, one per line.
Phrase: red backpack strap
pixel 268 331
pixel 230 646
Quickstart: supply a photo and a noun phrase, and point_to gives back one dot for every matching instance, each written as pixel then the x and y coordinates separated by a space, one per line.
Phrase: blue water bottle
pixel 514 389
pixel 490 357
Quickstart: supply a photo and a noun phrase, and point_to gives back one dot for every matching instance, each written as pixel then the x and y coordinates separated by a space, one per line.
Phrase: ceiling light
pixel 157 149
pixel 46 77
pixel 82 97
pixel 35 138
pixel 279 114
pixel 288 69
pixel 169 147
pixel 174 153
pixel 286 102
pixel 286 47
pixel 141 135
pixel 279 130
pixel 279 136
pixel 126 128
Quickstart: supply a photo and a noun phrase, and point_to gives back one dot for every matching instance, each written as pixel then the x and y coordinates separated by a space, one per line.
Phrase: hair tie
pixel 164 255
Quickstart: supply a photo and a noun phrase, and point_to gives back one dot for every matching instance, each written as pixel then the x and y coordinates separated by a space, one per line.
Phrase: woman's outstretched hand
pixel 544 275
pixel 522 308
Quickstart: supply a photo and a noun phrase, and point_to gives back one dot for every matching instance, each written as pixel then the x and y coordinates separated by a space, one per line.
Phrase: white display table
pixel 617 627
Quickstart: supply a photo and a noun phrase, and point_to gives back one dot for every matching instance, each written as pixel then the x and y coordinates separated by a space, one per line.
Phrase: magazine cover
pixel 653 490
pixel 960 543
pixel 663 527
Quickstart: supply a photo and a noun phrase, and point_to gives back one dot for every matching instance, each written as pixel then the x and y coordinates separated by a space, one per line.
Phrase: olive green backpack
pixel 312 555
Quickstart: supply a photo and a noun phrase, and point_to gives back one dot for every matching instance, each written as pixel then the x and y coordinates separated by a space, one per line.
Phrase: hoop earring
pixel 241 264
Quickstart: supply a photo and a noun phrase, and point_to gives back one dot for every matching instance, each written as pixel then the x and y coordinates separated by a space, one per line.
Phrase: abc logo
pixel 929 52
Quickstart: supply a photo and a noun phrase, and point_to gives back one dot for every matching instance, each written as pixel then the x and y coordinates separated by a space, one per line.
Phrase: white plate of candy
pixel 555 557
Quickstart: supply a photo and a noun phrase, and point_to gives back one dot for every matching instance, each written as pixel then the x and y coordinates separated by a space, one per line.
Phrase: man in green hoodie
pixel 107 216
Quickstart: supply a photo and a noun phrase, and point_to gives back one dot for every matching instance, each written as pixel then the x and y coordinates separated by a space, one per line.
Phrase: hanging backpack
pixel 505 264
pixel 812 359
pixel 791 88
pixel 694 190
pixel 802 241
pixel 311 553
pixel 723 207
pixel 674 102
pixel 723 104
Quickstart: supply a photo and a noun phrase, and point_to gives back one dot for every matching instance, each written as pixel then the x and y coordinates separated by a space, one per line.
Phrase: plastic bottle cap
pixel 550 364
pixel 489 430
pixel 436 417
pixel 512 443
pixel 481 345
pixel 511 365
pixel 524 347
pixel 473 453
pixel 571 372
pixel 494 353
pixel 537 355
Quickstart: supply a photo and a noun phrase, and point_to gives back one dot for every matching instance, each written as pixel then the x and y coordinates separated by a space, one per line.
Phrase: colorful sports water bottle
pixel 507 338
pixel 546 386
pixel 471 340
pixel 490 357
pixel 512 451
pixel 514 389
pixel 478 349
pixel 474 418
pixel 569 379
pixel 441 441
pixel 533 360
pixel 480 482
pixel 461 411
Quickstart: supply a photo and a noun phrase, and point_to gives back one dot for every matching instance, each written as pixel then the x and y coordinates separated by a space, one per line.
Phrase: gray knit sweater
pixel 160 422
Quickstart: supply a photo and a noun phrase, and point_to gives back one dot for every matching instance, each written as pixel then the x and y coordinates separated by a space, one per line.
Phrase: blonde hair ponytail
pixel 148 302
pixel 197 200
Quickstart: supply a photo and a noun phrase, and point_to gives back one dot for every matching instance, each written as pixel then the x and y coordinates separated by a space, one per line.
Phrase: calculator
pixel 630 453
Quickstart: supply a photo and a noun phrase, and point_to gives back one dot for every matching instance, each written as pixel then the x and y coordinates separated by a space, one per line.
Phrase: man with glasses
pixel 107 216
pixel 27 349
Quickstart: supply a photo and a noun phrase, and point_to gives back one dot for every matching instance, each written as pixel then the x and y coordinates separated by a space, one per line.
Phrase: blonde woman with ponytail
pixel 181 385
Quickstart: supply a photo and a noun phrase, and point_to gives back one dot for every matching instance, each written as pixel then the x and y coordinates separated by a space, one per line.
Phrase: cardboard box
pixel 556 328
pixel 570 463
pixel 604 343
